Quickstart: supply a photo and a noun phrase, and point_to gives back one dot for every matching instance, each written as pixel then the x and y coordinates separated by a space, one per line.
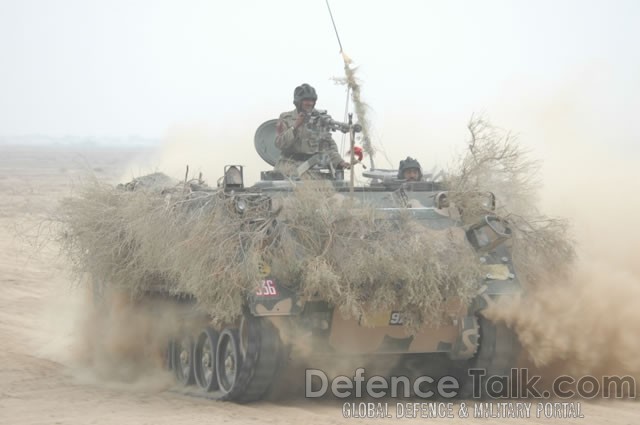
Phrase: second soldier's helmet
pixel 405 164
pixel 303 91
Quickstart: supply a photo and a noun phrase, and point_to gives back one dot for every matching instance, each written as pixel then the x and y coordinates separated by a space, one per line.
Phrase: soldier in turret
pixel 296 141
pixel 410 170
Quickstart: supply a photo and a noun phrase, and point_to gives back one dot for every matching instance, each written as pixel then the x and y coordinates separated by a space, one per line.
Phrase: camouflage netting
pixel 495 162
pixel 195 243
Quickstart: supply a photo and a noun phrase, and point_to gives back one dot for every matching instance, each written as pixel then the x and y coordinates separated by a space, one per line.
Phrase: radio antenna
pixel 334 25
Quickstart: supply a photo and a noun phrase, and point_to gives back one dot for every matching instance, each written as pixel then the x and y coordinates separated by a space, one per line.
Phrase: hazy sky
pixel 118 68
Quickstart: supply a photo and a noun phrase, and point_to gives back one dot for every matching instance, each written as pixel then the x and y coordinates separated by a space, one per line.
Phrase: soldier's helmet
pixel 408 163
pixel 304 91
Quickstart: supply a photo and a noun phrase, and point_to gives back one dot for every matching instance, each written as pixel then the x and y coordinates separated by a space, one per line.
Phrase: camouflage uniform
pixel 298 145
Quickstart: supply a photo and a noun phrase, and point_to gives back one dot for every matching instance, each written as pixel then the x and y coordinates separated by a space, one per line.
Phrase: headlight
pixel 441 200
pixel 241 205
pixel 489 233
pixel 489 202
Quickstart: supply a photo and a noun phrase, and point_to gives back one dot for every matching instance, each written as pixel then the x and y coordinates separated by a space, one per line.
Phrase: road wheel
pixel 246 371
pixel 497 354
pixel 204 360
pixel 229 362
pixel 182 360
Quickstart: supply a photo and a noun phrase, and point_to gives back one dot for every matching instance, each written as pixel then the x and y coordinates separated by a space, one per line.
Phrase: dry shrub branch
pixel 495 162
pixel 361 108
pixel 191 240
pixel 316 241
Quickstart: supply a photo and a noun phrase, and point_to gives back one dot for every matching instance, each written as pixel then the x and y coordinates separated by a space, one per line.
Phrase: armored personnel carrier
pixel 243 361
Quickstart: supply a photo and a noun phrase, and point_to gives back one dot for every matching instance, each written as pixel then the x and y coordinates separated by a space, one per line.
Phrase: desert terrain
pixel 48 375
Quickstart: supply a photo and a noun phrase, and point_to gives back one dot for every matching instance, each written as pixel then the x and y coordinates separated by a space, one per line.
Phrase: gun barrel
pixel 320 119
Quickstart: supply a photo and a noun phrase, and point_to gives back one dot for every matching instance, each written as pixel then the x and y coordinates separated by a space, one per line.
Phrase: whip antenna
pixel 346 106
pixel 334 25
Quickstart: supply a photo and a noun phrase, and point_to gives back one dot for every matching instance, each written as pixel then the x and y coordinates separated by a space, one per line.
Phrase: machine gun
pixel 319 120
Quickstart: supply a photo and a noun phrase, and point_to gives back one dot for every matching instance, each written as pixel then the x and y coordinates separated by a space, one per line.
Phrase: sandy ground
pixel 41 381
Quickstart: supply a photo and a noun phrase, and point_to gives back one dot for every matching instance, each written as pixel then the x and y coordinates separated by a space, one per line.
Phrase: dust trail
pixel 114 342
pixel 588 322
pixel 206 148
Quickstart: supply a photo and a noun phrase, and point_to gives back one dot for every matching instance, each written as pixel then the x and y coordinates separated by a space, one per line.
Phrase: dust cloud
pixel 206 148
pixel 108 340
pixel 587 323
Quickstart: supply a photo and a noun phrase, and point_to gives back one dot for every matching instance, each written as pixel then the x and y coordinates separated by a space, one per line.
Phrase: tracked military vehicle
pixel 243 361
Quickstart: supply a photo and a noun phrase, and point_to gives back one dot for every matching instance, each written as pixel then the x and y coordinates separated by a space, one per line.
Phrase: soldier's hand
pixel 345 165
pixel 300 120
